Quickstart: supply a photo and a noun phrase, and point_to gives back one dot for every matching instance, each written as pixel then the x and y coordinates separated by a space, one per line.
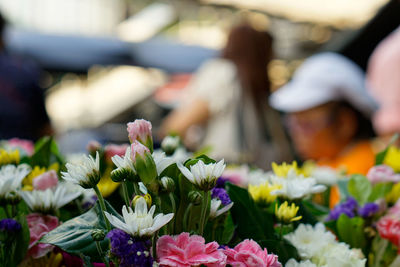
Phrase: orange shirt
pixel 357 159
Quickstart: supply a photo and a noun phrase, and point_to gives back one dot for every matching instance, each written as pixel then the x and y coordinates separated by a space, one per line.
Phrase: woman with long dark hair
pixel 227 102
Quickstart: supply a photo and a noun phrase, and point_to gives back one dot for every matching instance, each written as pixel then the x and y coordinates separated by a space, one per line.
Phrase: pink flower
pixel 39 225
pixel 389 228
pixel 93 146
pixel 139 130
pixel 26 145
pixel 138 149
pixel 184 251
pixel 46 180
pixel 248 253
pixel 382 173
pixel 113 150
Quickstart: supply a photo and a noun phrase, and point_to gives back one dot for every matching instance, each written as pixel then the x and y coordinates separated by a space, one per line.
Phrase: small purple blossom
pixel 10 225
pixel 221 194
pixel 348 208
pixel 130 251
pixel 368 210
pixel 221 181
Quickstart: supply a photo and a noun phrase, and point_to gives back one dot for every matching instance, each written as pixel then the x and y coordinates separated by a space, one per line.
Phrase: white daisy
pixel 162 161
pixel 11 178
pixel 215 210
pixel 141 222
pixel 86 172
pixel 202 175
pixel 125 168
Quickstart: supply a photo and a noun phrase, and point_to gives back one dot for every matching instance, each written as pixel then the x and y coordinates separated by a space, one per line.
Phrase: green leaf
pixel 379 190
pixel 351 231
pixel 74 236
pixel 282 248
pixel 315 209
pixel 46 152
pixel 250 220
pixel 380 157
pixel 343 185
pixel 360 188
pixel 22 241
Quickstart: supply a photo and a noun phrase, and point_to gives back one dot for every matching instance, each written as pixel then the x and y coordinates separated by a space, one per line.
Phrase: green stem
pixel 154 245
pixel 102 254
pixel 125 193
pixel 102 206
pixel 6 211
pixel 172 223
pixel 204 207
pixel 136 189
pixel 185 217
pixel 14 210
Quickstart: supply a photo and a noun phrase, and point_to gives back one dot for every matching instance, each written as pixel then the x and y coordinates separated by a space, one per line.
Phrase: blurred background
pixel 107 62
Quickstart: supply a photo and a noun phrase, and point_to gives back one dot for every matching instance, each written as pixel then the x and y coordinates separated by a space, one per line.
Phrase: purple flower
pixel 10 225
pixel 348 208
pixel 221 194
pixel 130 251
pixel 221 181
pixel 368 210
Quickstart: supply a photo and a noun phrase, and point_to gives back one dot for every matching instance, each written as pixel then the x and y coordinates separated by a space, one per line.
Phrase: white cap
pixel 323 78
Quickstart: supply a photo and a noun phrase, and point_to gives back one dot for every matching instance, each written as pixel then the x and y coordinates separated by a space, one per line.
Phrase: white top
pixel 217 83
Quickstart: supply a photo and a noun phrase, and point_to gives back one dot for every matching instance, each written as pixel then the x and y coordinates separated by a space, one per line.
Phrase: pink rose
pixel 184 251
pixel 248 253
pixel 113 150
pixel 138 149
pixel 39 225
pixel 26 145
pixel 382 173
pixel 139 130
pixel 46 180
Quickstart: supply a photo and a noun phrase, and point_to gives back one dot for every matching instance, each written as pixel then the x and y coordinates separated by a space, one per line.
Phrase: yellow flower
pixel 392 158
pixel 286 213
pixel 262 192
pixel 106 185
pixel 50 260
pixel 394 194
pixel 36 171
pixel 283 169
pixel 7 157
pixel 146 197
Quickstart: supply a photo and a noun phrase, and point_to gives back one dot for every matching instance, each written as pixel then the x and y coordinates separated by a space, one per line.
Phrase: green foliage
pixel 360 188
pixel 379 190
pixel 74 236
pixel 250 220
pixel 46 153
pixel 351 231
pixel 380 157
pixel 22 241
pixel 221 230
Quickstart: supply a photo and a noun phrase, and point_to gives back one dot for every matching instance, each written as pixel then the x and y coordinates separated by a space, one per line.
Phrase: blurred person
pixel 227 100
pixel 22 108
pixel 383 79
pixel 328 113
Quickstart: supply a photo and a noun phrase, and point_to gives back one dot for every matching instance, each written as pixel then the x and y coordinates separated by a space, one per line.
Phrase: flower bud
pixel 195 197
pixel 98 235
pixel 144 163
pixel 168 184
pixel 170 144
pixel 93 146
pixel 140 130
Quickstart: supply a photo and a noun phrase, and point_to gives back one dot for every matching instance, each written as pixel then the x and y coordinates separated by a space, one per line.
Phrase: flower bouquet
pixel 133 205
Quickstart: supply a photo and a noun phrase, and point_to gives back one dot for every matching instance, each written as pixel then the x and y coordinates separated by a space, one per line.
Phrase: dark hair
pixel 251 50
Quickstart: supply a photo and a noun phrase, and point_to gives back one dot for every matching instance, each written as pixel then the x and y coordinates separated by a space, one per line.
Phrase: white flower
pixel 309 240
pixel 139 223
pixel 214 209
pixel 325 175
pixel 162 161
pixel 11 178
pixel 295 187
pixel 339 255
pixel 49 200
pixel 86 172
pixel 125 168
pixel 202 175
pixel 170 143
pixel 143 188
pixel 294 263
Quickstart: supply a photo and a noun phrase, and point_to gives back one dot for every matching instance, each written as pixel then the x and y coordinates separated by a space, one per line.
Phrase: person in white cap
pixel 328 111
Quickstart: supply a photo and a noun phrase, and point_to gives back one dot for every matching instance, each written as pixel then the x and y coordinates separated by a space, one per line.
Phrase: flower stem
pixel 172 223
pixel 125 193
pixel 136 189
pixel 102 206
pixel 6 210
pixel 185 217
pixel 101 254
pixel 154 245
pixel 204 207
